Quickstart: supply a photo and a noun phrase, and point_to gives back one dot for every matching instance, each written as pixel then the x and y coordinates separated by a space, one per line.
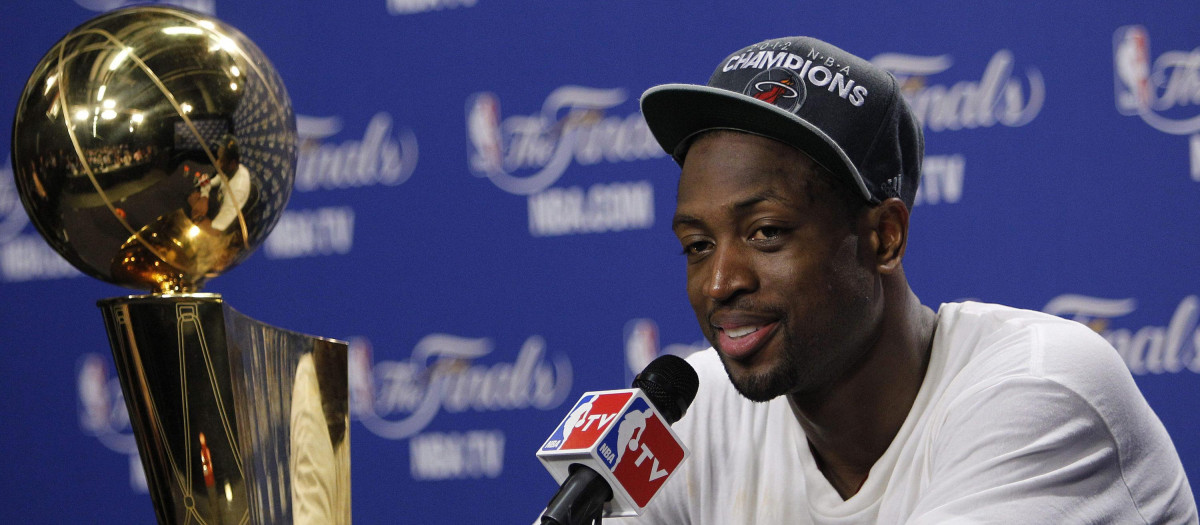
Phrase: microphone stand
pixel 580 499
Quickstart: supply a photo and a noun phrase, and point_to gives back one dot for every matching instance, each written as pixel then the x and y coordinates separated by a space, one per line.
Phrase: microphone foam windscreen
pixel 671 384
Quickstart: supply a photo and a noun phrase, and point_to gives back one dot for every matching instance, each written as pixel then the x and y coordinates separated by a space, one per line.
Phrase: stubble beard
pixel 779 378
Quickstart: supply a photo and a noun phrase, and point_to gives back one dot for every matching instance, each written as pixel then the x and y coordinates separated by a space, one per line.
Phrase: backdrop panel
pixel 480 210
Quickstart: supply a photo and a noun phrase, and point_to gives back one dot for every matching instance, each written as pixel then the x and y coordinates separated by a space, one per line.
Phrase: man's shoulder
pixel 991 317
pixel 1034 342
pixel 1018 377
pixel 1039 357
pixel 986 346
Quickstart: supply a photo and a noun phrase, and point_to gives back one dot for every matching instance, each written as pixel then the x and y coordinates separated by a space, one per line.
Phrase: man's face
pixel 781 281
pixel 227 165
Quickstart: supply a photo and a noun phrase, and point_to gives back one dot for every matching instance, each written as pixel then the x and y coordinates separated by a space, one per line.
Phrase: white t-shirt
pixel 1022 417
pixel 239 185
pixel 315 464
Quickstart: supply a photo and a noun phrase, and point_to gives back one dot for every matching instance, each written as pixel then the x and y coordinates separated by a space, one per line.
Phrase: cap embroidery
pixel 778 86
pixel 892 185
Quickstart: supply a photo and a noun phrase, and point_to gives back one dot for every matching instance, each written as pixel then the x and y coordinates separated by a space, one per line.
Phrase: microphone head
pixel 671 384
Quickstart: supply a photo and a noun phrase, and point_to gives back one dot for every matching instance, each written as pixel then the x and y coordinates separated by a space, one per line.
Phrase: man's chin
pixel 756 385
pixel 756 394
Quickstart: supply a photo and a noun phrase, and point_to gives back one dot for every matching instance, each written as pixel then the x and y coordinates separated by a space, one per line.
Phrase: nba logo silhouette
pixel 1131 68
pixel 646 451
pixel 486 147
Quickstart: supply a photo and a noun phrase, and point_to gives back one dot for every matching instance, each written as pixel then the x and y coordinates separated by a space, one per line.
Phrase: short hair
pixel 229 149
pixel 849 199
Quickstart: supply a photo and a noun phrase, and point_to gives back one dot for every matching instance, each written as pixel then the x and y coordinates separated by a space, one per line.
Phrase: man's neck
pixel 850 425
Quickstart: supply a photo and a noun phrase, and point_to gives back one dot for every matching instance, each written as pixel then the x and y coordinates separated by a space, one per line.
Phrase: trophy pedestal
pixel 236 421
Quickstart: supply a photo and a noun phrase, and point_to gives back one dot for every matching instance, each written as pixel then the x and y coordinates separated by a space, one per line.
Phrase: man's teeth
pixel 740 332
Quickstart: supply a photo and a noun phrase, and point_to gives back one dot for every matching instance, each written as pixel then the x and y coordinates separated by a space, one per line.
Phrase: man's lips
pixel 741 336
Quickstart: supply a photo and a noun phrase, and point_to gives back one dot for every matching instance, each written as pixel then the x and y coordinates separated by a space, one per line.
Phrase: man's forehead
pixel 780 189
pixel 744 139
pixel 703 204
pixel 733 205
pixel 732 161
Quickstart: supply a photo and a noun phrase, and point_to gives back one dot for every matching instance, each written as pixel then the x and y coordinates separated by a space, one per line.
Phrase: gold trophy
pixel 155 148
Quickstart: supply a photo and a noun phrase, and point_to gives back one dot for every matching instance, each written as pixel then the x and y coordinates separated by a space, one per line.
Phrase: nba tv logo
pixel 620 436
pixel 645 451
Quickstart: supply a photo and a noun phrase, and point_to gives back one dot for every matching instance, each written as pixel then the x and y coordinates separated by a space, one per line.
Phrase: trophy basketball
pixel 155 148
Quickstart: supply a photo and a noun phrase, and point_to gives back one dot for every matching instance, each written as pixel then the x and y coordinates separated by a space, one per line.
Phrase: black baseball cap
pixel 844 112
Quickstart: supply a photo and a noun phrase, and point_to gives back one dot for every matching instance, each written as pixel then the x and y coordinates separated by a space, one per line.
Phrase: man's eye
pixel 766 233
pixel 695 248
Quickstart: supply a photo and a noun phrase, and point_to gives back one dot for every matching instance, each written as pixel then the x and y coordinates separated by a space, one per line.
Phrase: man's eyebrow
pixel 683 219
pixel 767 195
pixel 751 201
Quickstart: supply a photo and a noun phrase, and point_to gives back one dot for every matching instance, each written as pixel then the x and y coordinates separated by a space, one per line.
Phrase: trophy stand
pixel 232 416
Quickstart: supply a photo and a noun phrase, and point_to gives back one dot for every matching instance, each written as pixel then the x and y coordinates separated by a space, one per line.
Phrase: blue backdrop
pixel 481 212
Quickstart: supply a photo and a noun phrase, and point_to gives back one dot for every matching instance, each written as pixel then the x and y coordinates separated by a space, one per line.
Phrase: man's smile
pixel 742 338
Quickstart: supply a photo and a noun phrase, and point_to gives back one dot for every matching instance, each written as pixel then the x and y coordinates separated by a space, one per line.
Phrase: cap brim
pixel 677 112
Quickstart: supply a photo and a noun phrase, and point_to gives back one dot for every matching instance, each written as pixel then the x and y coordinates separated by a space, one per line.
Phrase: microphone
pixel 615 449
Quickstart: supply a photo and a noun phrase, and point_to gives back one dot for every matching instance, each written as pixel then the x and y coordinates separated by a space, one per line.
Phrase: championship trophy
pixel 155 148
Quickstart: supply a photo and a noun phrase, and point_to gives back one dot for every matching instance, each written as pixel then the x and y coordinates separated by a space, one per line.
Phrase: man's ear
pixel 888 224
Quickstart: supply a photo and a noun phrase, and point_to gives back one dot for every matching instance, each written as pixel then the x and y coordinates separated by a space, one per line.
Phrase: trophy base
pixel 236 421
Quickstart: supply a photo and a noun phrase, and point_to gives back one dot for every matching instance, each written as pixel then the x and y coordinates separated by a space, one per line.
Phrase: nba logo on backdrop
pixel 483 128
pixel 1131 61
pixel 642 346
pixel 1162 91
pixel 527 155
pixel 24 257
pixel 102 413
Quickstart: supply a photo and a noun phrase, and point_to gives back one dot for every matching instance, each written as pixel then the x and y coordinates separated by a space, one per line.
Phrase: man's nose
pixel 732 273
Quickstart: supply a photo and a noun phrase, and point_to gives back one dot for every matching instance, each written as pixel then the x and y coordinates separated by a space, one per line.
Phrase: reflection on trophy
pixel 154 148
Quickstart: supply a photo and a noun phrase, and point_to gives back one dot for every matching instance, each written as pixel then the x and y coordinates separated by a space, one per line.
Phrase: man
pixel 233 199
pixel 832 394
